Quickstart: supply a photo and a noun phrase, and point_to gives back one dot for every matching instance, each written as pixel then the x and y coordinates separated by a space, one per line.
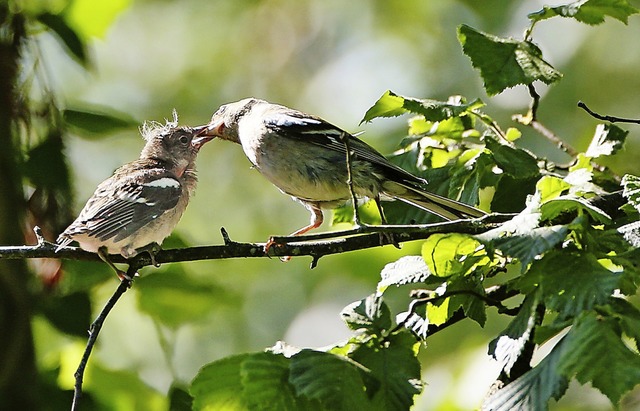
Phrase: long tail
pixel 433 203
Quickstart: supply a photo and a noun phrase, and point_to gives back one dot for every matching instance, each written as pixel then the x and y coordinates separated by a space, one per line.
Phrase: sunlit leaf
pixel 508 346
pixel 444 253
pixel 92 18
pixel 532 390
pixel 588 11
pixel 406 270
pixel 505 63
pixel 551 187
pixel 607 140
pixel 393 105
pixel 526 247
pixel 631 186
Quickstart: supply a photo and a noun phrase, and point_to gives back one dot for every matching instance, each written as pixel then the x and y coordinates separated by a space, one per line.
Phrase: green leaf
pixel 265 377
pixel 92 18
pixel 631 190
pixel 46 165
pixel 607 140
pixel 511 193
pixel 68 313
pixel 508 346
pixel 570 283
pixel 368 213
pixel 97 120
pixel 452 128
pixel 551 187
pixel 596 353
pixel 631 233
pixel 254 381
pixel 67 35
pixel 628 316
pixel 588 11
pixel 389 105
pixel 534 389
pixel 393 105
pixel 333 381
pixel 527 247
pixel 473 305
pixel 407 270
pixel 443 253
pixel 394 367
pixel 505 63
pixel 371 314
pixel 565 204
pixel 218 385
pixel 179 399
pixel 513 161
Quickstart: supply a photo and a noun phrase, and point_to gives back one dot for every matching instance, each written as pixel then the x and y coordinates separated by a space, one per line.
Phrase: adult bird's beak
pixel 201 135
pixel 215 127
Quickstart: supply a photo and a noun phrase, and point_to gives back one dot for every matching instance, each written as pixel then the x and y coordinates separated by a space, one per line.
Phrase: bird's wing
pixel 314 130
pixel 138 198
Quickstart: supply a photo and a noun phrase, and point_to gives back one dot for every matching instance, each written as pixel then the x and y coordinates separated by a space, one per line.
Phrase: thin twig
pixel 531 120
pixel 535 101
pixel 493 297
pixel 94 330
pixel 356 214
pixel 611 119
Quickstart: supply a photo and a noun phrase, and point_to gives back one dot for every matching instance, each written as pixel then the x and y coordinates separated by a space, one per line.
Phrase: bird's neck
pixel 179 168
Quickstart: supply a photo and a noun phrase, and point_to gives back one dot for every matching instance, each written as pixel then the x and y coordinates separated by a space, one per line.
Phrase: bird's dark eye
pixel 184 139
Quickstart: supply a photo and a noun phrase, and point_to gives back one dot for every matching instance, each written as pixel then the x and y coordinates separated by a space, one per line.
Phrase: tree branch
pixel 315 245
pixel 611 119
pixel 94 330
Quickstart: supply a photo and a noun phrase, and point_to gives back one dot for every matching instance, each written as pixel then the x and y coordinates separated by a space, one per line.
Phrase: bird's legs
pixel 316 221
pixel 103 253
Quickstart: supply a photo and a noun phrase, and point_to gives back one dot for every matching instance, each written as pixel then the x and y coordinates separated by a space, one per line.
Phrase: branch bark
pixel 315 245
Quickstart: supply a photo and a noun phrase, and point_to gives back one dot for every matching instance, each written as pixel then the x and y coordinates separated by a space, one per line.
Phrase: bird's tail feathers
pixel 441 206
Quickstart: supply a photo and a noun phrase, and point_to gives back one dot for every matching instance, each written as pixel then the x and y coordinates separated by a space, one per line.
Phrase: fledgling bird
pixel 140 204
pixel 305 157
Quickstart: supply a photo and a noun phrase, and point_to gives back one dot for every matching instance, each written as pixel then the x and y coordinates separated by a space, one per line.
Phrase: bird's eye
pixel 184 139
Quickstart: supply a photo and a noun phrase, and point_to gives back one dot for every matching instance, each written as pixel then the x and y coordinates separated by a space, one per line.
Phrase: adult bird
pixel 306 158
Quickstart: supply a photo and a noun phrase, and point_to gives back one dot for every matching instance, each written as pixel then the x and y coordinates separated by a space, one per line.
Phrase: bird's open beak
pixel 215 128
pixel 201 136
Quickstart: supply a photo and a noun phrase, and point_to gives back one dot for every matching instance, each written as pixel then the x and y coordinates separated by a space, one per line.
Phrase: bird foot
pixel 152 249
pixel 271 242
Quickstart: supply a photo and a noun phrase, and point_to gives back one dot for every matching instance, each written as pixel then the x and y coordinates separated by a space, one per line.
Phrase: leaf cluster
pixel 564 267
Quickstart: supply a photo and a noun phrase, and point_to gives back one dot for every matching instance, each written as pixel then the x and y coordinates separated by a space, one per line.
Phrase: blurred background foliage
pixel 110 65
